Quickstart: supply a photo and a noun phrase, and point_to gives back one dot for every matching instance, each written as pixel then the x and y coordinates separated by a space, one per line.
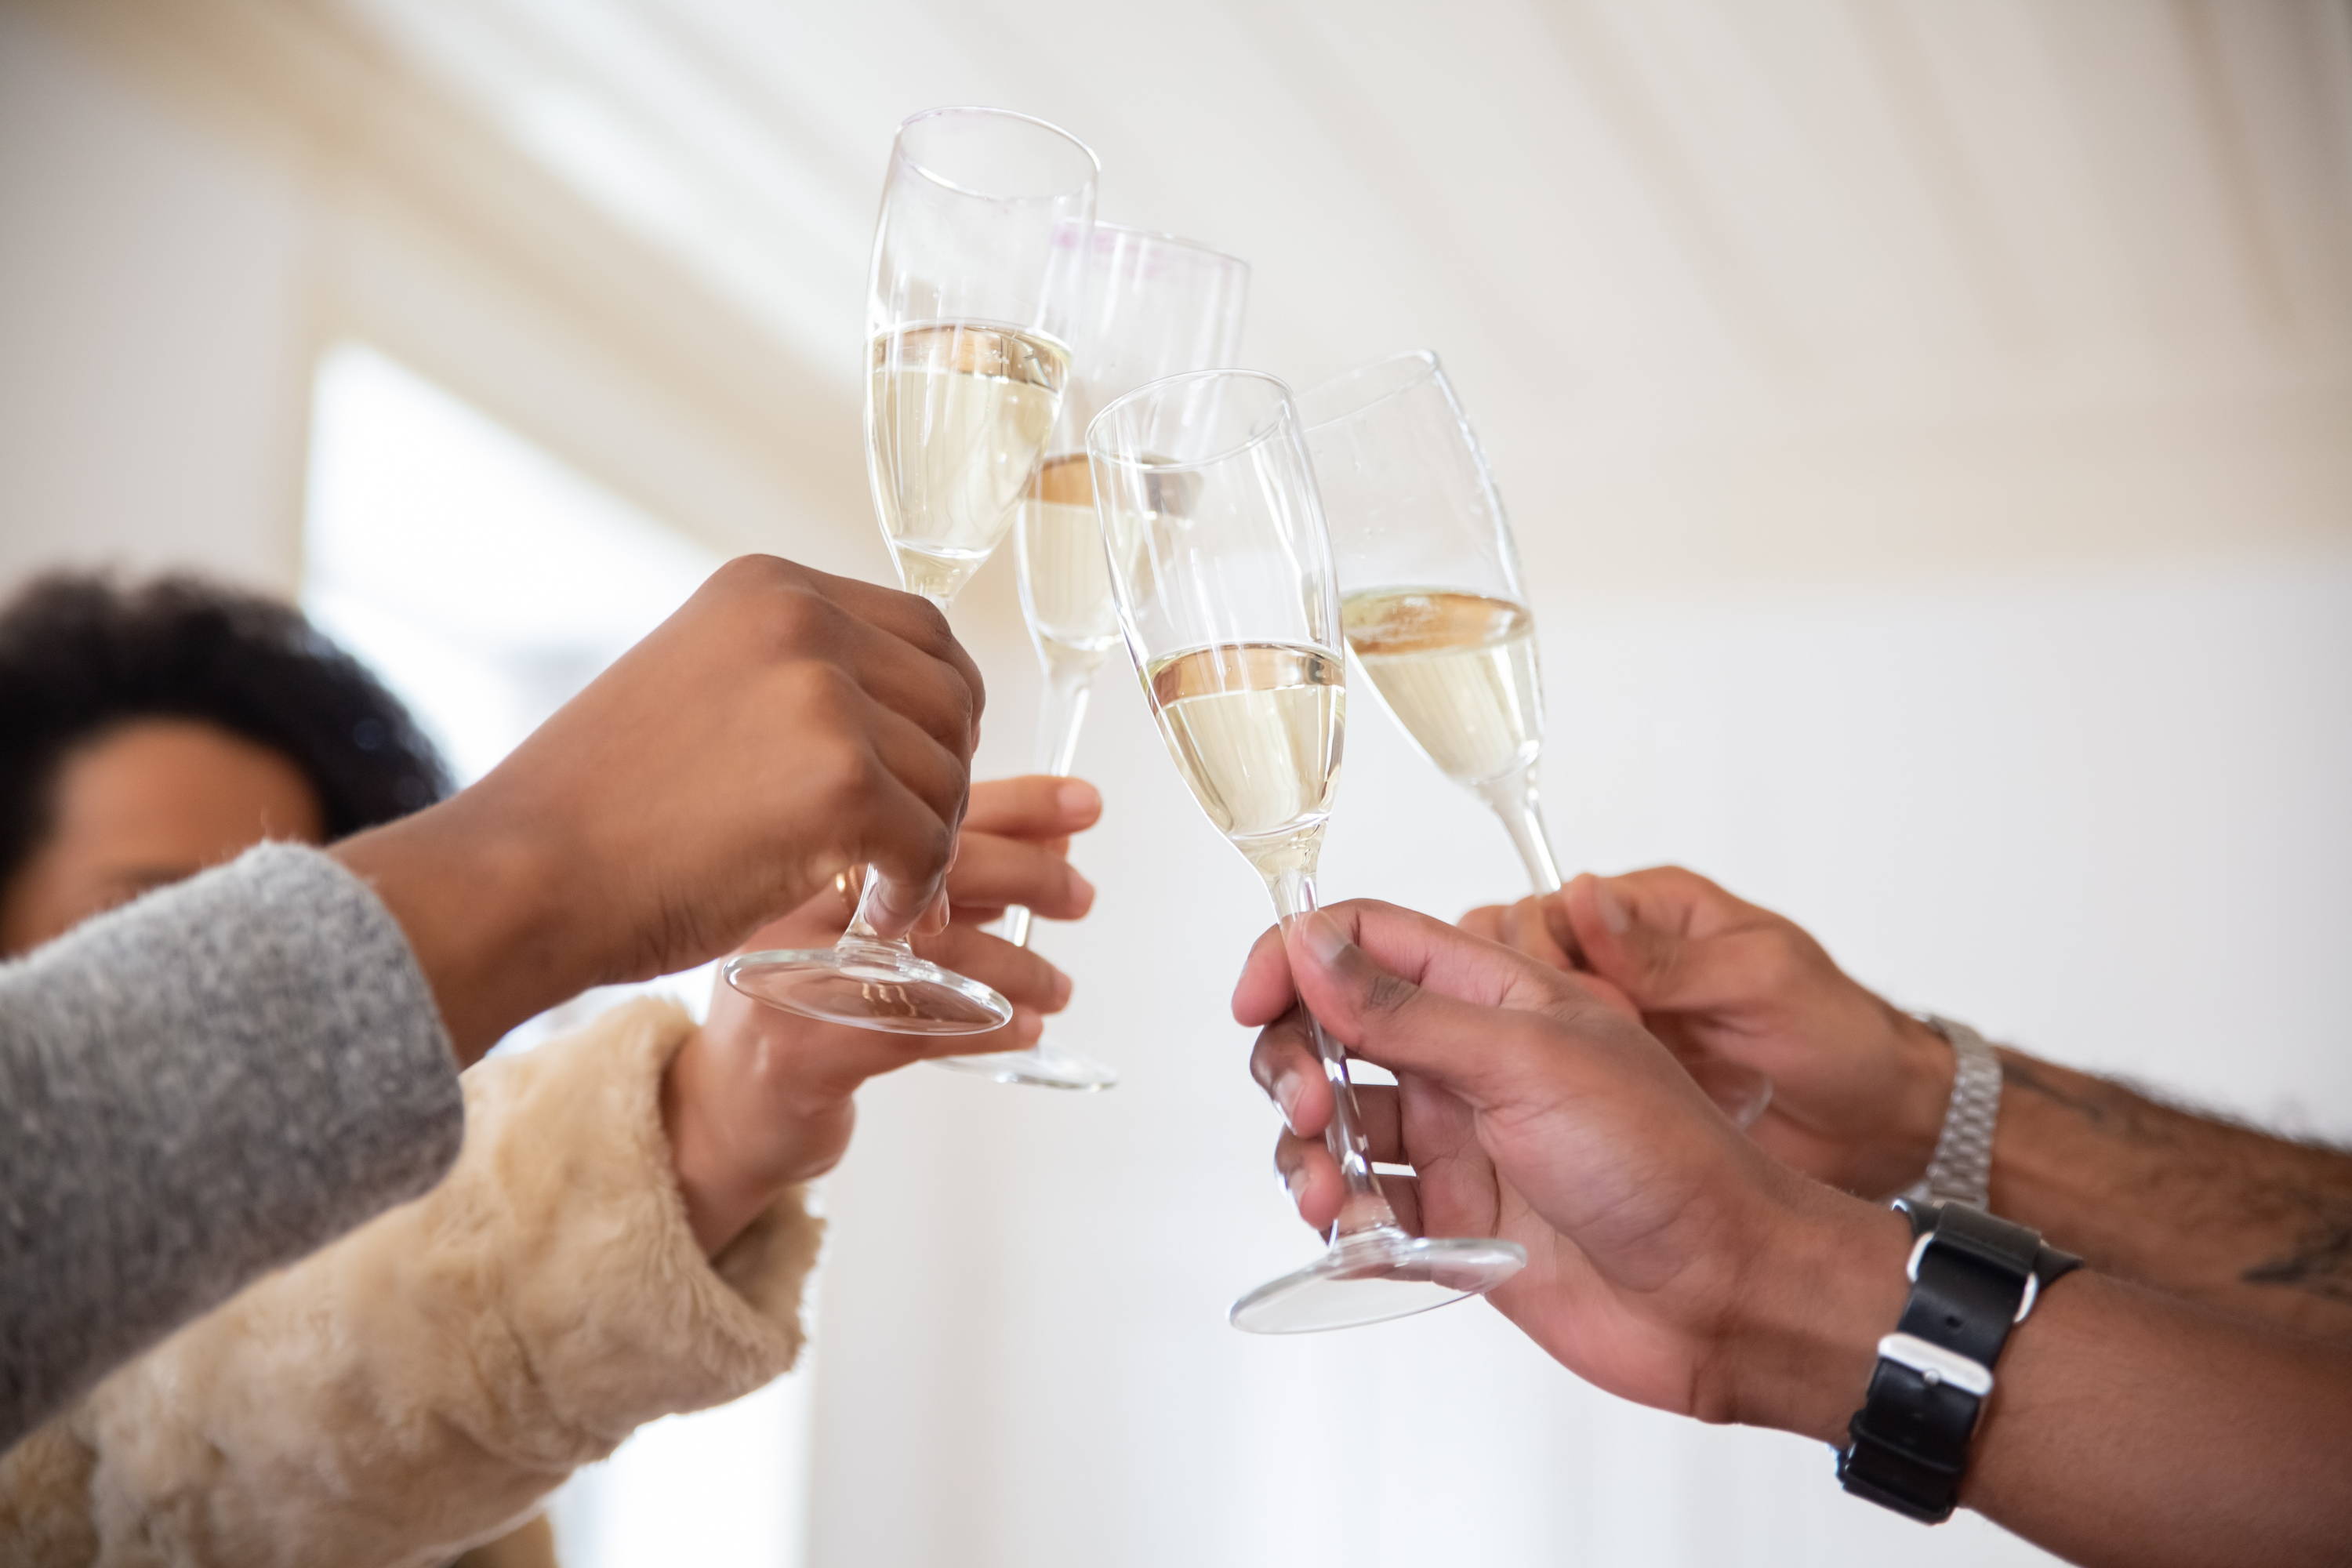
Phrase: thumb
pixel 1623 940
pixel 1675 943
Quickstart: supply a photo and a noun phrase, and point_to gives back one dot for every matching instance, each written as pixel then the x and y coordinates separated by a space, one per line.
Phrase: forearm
pixel 199 1088
pixel 462 1354
pixel 2193 1206
pixel 2133 1429
pixel 2126 1427
pixel 482 903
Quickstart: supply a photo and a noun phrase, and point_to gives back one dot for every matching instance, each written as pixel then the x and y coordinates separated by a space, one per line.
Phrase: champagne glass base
pixel 1373 1277
pixel 1041 1067
pixel 869 985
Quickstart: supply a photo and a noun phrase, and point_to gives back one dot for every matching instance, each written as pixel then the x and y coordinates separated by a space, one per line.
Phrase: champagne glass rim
pixel 899 154
pixel 1285 418
pixel 1164 237
pixel 1428 370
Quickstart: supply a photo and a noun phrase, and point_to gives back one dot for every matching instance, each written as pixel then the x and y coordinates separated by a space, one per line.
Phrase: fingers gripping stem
pixel 1364 1207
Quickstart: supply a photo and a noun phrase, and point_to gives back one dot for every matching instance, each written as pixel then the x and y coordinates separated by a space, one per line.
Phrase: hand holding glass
pixel 1224 578
pixel 978 278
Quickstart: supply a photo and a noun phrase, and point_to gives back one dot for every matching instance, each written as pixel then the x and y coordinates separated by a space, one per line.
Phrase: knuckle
pixel 1786 958
pixel 769 581
pixel 933 632
pixel 843 772
pixel 951 710
pixel 926 839
pixel 751 571
pixel 825 695
pixel 802 619
pixel 1388 994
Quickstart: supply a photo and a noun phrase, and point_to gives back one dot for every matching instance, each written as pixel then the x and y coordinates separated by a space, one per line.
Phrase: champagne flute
pixel 1226 594
pixel 978 280
pixel 1431 597
pixel 1155 305
pixel 1429 583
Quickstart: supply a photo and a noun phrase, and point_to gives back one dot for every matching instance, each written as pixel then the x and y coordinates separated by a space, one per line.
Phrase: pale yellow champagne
pixel 1458 670
pixel 1065 577
pixel 956 417
pixel 1255 731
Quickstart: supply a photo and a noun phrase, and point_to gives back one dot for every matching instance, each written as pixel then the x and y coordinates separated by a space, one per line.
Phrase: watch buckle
pixel 1936 1365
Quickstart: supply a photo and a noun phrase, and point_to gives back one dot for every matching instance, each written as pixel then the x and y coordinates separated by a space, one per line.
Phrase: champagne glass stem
pixel 862 930
pixel 1062 709
pixel 1364 1208
pixel 1513 797
pixel 1061 714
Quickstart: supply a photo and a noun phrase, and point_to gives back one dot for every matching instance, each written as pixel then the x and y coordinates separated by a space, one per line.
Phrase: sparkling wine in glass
pixel 1155 305
pixel 1226 594
pixel 1429 579
pixel 1431 596
pixel 978 280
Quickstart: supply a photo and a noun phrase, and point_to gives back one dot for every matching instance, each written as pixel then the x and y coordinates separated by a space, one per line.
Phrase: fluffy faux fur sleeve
pixel 420 1386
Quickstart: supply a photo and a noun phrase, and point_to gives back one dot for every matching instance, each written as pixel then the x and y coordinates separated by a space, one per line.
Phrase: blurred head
pixel 149 731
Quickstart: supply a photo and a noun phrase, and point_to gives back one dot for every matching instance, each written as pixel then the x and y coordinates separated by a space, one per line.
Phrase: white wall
pixel 152 378
pixel 2099 812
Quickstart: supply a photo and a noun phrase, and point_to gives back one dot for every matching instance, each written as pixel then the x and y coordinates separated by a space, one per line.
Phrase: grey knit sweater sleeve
pixel 194 1090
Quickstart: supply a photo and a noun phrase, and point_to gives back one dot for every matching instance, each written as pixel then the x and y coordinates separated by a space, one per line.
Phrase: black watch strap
pixel 1974 1277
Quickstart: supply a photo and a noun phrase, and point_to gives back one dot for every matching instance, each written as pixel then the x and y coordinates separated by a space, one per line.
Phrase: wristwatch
pixel 1973 1279
pixel 1961 1169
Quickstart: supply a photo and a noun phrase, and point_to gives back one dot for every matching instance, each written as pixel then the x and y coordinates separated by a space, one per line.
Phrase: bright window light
pixel 487 581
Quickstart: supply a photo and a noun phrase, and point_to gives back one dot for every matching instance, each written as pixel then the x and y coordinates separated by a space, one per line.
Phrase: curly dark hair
pixel 81 654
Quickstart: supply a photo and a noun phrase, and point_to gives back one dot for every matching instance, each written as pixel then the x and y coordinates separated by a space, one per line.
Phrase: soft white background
pixel 1937 480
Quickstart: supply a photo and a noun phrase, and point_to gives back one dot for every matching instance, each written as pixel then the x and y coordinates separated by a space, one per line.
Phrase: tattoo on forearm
pixel 2018 1073
pixel 2239 1188
pixel 2321 1261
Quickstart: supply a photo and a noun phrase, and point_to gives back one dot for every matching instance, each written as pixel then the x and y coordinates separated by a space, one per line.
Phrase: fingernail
pixel 1061 989
pixel 1613 912
pixel 1078 798
pixel 1285 1095
pixel 1324 937
pixel 889 914
pixel 1294 1182
pixel 1027 1027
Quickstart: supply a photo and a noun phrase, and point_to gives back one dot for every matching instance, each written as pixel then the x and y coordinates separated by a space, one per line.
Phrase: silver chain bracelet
pixel 1961 1171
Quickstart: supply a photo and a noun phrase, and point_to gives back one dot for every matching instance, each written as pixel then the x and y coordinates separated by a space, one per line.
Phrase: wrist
pixel 1798 1351
pixel 1925 1072
pixel 719 1196
pixel 483 913
pixel 738 1138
